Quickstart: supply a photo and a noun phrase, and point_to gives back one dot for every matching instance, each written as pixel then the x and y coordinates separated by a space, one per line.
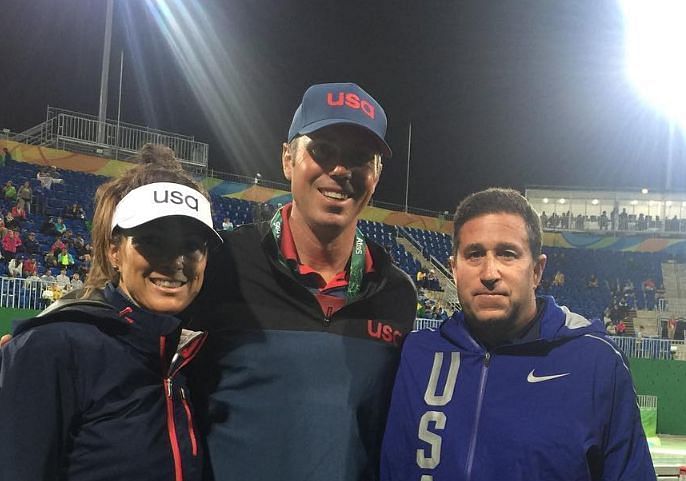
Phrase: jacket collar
pixel 556 323
pixel 374 280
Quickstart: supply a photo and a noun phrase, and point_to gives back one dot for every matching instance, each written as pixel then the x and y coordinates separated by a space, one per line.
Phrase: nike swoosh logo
pixel 533 378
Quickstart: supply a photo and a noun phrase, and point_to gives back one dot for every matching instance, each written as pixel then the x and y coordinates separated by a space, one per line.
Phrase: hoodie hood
pixel 556 322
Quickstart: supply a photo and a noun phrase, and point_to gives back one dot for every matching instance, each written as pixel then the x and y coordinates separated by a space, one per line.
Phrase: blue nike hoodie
pixel 560 407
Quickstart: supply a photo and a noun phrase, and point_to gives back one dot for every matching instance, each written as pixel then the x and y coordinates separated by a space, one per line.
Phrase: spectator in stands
pixel 671 327
pixel 18 212
pixel 549 372
pixel 48 294
pixel 85 265
pixel 68 238
pixel 78 243
pixel 623 220
pixel 65 259
pixel 48 226
pixel 75 211
pixel 3 228
pixel 49 176
pixel 10 192
pixel 421 310
pixel 47 278
pixel 10 221
pixel 30 267
pixel 60 227
pixel 10 244
pixel 559 279
pixel 32 282
pixel 50 260
pixel 672 225
pixel 421 278
pixel 592 282
pixel 31 245
pixel 7 156
pixel 641 223
pixel 76 282
pixel 15 267
pixel 57 246
pixel 227 225
pixel 544 220
pixel 97 387
pixel 62 280
pixel 25 196
pixel 620 328
pixel 44 178
pixel 603 221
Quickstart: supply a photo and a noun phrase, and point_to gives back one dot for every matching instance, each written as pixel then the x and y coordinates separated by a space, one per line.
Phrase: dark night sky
pixel 516 93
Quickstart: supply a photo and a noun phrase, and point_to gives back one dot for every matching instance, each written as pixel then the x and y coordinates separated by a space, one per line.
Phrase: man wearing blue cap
pixel 306 315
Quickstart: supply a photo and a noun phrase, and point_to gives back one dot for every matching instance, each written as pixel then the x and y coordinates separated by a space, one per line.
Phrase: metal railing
pixel 421 323
pixel 647 401
pixel 119 140
pixel 635 347
pixel 17 293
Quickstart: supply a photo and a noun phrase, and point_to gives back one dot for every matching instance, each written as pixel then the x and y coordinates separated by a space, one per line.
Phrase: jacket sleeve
pixel 37 405
pixel 626 453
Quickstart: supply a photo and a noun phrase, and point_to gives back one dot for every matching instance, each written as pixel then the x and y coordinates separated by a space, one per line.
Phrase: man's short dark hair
pixel 498 201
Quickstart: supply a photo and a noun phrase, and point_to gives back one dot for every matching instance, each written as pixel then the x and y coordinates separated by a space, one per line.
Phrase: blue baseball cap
pixel 339 103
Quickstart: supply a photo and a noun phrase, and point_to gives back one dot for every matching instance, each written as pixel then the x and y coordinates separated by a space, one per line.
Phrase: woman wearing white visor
pixel 94 388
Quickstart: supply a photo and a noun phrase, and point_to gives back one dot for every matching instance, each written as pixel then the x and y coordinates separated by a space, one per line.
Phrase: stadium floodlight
pixel 644 191
pixel 545 200
pixel 655 38
pixel 562 201
pixel 595 202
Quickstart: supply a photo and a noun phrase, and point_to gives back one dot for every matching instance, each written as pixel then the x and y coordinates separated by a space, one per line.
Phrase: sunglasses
pixel 327 153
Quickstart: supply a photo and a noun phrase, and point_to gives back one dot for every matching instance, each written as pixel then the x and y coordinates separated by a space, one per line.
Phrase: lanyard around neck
pixel 356 261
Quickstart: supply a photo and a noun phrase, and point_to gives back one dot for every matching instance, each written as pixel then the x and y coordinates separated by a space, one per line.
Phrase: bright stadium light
pixel 545 200
pixel 644 191
pixel 595 202
pixel 655 38
pixel 562 201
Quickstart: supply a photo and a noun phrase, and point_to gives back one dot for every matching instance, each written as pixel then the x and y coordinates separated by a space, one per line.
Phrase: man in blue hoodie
pixel 514 386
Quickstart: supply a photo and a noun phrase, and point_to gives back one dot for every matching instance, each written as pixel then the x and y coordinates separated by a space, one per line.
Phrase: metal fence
pixel 119 140
pixel 647 401
pixel 636 347
pixel 650 347
pixel 122 137
pixel 17 293
pixel 420 323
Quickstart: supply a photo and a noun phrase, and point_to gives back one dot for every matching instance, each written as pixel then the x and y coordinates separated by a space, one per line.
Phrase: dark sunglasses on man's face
pixel 327 154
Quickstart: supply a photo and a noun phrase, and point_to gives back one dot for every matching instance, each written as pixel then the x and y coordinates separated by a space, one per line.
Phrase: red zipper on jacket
pixel 171 425
pixel 189 417
pixel 171 428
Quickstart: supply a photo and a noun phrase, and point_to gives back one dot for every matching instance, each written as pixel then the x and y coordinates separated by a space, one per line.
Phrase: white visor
pixel 163 199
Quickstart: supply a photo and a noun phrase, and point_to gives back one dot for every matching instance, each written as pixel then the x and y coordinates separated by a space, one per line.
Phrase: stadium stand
pixel 413 249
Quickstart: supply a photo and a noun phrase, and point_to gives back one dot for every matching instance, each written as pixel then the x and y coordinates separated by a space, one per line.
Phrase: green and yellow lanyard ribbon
pixel 356 261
